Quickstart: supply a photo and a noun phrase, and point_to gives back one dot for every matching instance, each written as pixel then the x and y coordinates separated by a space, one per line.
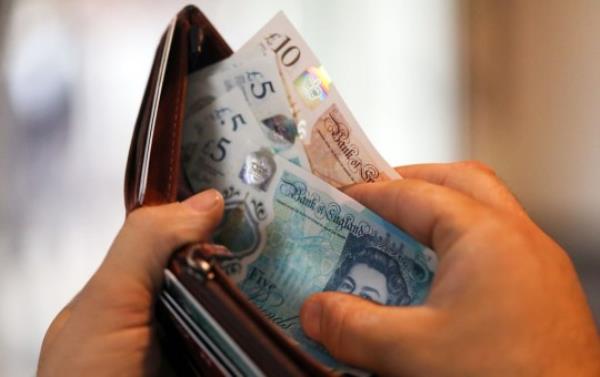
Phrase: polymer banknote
pixel 324 136
pixel 338 150
pixel 206 133
pixel 291 234
pixel 259 80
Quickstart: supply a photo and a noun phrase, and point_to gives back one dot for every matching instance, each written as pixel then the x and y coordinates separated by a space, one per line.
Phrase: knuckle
pixel 141 217
pixel 173 236
pixel 477 166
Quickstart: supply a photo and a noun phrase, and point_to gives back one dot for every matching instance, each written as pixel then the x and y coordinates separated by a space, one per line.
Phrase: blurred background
pixel 512 83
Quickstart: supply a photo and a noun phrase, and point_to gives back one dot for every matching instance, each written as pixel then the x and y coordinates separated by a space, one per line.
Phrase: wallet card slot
pixel 243 322
pixel 222 344
pixel 200 339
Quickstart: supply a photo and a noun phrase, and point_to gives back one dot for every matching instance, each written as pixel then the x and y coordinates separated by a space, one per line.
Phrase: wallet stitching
pixel 173 135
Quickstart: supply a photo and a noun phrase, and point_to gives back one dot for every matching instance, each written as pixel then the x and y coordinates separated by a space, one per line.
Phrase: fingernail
pixel 212 249
pixel 311 318
pixel 204 201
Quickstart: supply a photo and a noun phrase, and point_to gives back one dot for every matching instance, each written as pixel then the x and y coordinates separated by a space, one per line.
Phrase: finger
pixel 157 227
pixel 367 335
pixel 436 216
pixel 56 327
pixel 214 250
pixel 469 177
pixel 151 234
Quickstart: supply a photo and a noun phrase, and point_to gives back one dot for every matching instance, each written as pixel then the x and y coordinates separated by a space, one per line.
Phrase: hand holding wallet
pixel 212 309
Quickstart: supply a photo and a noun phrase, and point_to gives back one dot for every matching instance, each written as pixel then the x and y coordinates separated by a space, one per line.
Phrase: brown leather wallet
pixel 154 176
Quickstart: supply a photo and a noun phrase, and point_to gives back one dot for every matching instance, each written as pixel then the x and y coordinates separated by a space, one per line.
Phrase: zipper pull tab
pixel 198 266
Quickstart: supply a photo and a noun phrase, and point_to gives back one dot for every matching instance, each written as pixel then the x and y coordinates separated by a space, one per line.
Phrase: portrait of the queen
pixel 364 269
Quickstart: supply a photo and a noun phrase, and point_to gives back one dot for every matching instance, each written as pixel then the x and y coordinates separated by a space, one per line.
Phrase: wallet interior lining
pixel 205 47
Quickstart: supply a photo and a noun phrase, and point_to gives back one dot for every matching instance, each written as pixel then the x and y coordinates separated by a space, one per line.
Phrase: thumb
pixel 151 234
pixel 367 335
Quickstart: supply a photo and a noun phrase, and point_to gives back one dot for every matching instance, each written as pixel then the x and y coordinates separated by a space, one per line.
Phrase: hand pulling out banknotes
pixel 268 129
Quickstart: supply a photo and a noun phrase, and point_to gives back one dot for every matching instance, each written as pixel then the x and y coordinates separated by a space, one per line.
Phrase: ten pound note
pixel 338 151
pixel 290 233
pixel 335 147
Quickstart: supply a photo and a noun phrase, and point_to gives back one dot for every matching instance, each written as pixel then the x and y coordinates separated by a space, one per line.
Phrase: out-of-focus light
pixel 40 68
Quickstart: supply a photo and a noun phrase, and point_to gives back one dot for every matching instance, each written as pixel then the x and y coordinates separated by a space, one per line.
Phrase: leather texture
pixel 162 149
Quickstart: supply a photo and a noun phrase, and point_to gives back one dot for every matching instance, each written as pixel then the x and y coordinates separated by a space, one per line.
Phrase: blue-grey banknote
pixel 206 132
pixel 291 234
pixel 259 80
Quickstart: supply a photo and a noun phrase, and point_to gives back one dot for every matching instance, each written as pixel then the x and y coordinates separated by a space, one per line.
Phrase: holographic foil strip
pixel 313 86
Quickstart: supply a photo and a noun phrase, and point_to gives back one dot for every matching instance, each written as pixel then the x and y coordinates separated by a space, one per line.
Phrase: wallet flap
pixel 153 168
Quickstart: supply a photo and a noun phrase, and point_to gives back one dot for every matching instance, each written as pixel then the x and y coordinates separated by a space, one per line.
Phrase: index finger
pixel 436 216
pixel 472 178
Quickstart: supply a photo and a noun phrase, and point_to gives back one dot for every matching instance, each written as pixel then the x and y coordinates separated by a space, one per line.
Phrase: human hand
pixel 108 327
pixel 505 300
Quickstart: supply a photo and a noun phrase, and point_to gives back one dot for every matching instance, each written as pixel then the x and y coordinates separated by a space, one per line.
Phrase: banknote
pixel 337 149
pixel 291 234
pixel 209 133
pixel 261 83
pixel 203 129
